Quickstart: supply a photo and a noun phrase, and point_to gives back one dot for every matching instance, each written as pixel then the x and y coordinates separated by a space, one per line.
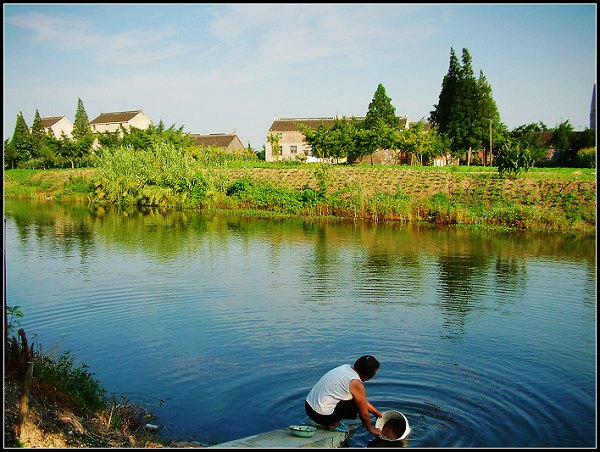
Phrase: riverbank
pixel 542 199
pixel 53 422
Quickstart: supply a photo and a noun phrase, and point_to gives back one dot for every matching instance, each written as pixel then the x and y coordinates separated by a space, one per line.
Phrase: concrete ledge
pixel 283 438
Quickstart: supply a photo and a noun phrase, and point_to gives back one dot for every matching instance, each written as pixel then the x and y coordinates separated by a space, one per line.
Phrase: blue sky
pixel 218 68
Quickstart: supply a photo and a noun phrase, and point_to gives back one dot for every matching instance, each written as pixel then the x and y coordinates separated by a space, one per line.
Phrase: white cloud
pixel 67 32
pixel 280 34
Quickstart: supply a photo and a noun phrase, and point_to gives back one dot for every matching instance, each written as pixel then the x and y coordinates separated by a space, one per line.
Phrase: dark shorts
pixel 345 409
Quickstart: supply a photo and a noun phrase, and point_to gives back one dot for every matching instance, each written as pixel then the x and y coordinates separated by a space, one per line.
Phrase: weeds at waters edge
pixel 468 196
pixel 67 403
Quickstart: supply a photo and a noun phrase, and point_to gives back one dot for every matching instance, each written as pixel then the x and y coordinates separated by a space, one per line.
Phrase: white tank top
pixel 331 388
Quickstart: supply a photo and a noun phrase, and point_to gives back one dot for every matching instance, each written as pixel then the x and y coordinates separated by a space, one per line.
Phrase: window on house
pixel 293 149
pixel 280 135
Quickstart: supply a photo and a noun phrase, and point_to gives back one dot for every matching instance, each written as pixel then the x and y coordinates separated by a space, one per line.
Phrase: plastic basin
pixel 304 431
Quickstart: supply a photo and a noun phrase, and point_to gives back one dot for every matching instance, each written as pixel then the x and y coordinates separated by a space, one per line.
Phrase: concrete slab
pixel 283 438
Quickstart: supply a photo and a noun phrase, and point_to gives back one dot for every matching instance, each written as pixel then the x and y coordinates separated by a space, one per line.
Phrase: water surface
pixel 222 324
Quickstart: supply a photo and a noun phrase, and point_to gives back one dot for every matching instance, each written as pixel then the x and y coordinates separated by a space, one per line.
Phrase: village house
pixel 229 142
pixel 117 121
pixel 291 139
pixel 58 125
pixel 292 144
pixel 112 122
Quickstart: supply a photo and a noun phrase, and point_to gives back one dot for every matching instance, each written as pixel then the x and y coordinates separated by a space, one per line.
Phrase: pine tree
pixel 380 125
pixel 442 112
pixel 82 136
pixel 466 113
pixel 81 124
pixel 466 107
pixel 381 108
pixel 38 135
pixel 18 149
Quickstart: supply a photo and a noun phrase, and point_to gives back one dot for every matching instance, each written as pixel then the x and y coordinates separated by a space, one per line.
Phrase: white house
pixel 112 122
pixel 58 125
pixel 291 139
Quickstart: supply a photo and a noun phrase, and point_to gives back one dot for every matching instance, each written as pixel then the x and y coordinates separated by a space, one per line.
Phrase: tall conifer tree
pixel 37 135
pixel 467 109
pixel 443 109
pixel 465 106
pixel 82 136
pixel 380 124
pixel 381 108
pixel 81 123
pixel 18 149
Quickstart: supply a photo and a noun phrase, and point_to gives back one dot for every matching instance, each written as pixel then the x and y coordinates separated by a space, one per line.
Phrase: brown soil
pixel 53 422
pixel 393 429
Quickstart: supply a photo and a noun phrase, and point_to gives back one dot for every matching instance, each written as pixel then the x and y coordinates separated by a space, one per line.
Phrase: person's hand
pixel 375 431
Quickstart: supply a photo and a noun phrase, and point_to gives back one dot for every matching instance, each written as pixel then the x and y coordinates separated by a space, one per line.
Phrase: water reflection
pixel 389 265
pixel 220 314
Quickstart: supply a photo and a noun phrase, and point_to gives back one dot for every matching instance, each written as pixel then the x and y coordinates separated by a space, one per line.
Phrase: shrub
pixel 163 174
pixel 586 158
pixel 440 209
pixel 72 377
pixel 512 159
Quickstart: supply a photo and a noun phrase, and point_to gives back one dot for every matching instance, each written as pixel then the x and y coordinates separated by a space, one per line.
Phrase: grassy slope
pixel 476 187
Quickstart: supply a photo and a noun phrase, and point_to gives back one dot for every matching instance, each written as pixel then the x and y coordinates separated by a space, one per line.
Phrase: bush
pixel 72 377
pixel 440 210
pixel 512 159
pixel 161 175
pixel 586 158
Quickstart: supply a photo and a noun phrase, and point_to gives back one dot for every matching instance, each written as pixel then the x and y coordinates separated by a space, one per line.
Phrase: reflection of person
pixel 340 394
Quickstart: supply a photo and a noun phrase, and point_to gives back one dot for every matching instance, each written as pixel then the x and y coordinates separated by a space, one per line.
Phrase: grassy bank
pixel 545 199
pixel 67 407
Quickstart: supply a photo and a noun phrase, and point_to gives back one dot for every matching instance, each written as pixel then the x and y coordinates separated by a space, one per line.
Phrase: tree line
pixel 465 123
pixel 38 149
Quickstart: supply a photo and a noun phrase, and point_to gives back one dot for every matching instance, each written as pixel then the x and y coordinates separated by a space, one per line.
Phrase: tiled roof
pixel 120 116
pixel 293 124
pixel 50 121
pixel 221 140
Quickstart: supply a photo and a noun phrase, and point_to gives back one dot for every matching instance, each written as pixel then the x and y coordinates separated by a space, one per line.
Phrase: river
pixel 221 324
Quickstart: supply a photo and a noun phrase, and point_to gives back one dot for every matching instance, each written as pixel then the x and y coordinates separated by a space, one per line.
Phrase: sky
pixel 235 67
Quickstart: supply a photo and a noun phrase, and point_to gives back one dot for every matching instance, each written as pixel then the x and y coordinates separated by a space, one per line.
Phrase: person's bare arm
pixel 357 389
pixel 374 410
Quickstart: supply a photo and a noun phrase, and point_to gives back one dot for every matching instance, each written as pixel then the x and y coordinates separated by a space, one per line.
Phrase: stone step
pixel 283 438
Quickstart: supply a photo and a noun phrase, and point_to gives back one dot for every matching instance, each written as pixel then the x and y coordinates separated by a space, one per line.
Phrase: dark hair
pixel 367 366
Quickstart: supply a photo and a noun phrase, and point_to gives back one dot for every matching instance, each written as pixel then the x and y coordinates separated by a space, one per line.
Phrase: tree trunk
pixel 24 406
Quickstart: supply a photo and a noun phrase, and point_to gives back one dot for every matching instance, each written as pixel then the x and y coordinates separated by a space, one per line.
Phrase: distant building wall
pixel 58 126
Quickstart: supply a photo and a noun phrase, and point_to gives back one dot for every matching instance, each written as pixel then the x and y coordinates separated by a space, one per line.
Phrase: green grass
pixel 550 199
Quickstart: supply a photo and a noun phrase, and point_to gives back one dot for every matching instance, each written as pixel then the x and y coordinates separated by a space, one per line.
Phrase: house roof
pixel 119 117
pixel 50 121
pixel 221 140
pixel 293 124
